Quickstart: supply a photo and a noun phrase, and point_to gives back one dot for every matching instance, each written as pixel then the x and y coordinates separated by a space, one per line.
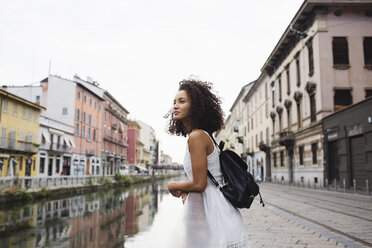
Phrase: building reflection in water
pixel 102 219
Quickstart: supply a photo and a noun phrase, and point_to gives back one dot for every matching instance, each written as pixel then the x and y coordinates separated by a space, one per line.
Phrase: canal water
pixel 141 216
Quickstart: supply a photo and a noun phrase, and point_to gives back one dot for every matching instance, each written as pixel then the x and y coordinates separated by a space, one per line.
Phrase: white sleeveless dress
pixel 224 221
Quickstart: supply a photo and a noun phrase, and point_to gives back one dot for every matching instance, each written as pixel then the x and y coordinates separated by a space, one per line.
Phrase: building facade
pixel 87 131
pixel 148 139
pixel 321 64
pixel 258 126
pixel 20 123
pixel 115 135
pixel 134 142
pixel 348 146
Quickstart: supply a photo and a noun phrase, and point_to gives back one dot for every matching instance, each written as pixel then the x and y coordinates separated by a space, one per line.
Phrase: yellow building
pixel 19 142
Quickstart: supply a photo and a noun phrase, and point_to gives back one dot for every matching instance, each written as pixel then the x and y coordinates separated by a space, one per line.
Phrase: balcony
pixel 286 139
pixel 18 145
pixel 90 152
pixel 114 126
pixel 236 129
pixel 58 148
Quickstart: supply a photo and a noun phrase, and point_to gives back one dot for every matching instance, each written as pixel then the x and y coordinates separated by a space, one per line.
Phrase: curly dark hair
pixel 205 111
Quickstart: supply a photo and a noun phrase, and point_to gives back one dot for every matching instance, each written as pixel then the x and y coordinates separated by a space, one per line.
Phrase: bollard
pixel 367 186
pixel 336 184
pixel 344 183
pixel 354 184
pixel 308 183
pixel 327 184
pixel 321 184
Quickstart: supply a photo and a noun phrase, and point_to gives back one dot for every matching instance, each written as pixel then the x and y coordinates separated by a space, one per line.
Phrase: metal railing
pixel 47 181
pixel 16 145
pixel 335 185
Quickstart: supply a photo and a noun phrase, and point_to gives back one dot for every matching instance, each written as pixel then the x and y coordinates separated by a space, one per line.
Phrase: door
pixel 358 171
pixel 333 172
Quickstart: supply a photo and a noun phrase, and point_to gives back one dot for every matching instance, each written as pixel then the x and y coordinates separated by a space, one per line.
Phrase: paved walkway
pixel 288 223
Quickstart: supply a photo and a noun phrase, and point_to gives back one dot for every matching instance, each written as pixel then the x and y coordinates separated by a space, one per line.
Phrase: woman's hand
pixel 175 193
pixel 172 190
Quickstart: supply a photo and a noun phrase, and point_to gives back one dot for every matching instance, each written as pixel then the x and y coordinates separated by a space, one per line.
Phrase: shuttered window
pixel 340 51
pixel 367 47
pixel 342 99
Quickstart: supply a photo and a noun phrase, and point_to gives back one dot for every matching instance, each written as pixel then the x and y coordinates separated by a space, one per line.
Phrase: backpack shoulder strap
pixel 220 146
pixel 213 179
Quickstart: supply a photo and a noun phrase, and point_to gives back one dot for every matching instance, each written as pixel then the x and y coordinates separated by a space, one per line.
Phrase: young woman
pixel 197 113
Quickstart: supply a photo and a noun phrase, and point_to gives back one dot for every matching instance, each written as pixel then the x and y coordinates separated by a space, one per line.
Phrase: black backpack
pixel 239 186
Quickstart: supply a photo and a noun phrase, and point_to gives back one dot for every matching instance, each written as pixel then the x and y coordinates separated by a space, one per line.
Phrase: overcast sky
pixel 139 50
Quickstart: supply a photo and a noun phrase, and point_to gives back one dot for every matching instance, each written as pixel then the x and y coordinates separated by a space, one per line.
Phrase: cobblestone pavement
pixel 298 217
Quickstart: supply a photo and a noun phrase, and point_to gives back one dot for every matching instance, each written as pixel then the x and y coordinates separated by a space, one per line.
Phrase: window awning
pixel 67 142
pixel 46 137
pixel 72 143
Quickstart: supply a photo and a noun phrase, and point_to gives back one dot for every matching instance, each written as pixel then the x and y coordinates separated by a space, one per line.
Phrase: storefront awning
pixel 46 137
pixel 3 155
pixel 142 168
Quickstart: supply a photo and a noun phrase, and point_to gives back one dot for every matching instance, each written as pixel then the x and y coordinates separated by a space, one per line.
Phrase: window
pixel 94 134
pixel 42 165
pixel 312 108
pixel 37 98
pixel 342 99
pixel 30 114
pixel 83 131
pixel 267 136
pixel 15 109
pixel 314 152
pixel 64 111
pixel 90 102
pixel 340 51
pixel 299 115
pixel 3 135
pixel 281 158
pixel 273 127
pixel 5 106
pixel 289 119
pixel 78 95
pixel 280 87
pixel 261 136
pixel 90 119
pixel 77 114
pixel 288 79
pixel 298 71
pixel 280 122
pixel 267 110
pixel 256 139
pixel 275 161
pixel 252 123
pixel 266 93
pixel 301 154
pixel 89 136
pixel 367 48
pixel 368 93
pixel 84 117
pixel 24 112
pixel 310 57
pixel 273 93
pixel 36 116
pixel 57 165
pixel 77 130
pixel 85 99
